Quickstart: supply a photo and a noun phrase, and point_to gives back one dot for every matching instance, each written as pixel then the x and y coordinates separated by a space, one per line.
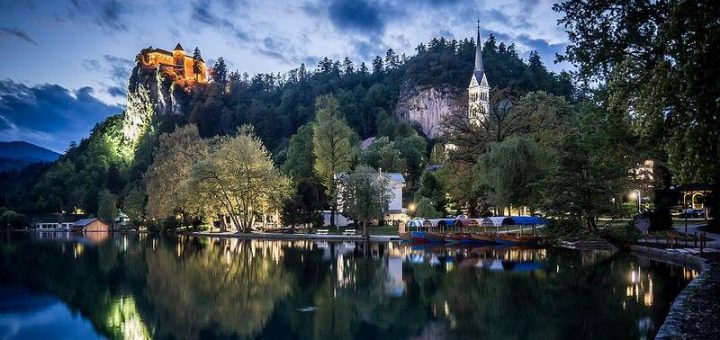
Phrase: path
pixel 694 227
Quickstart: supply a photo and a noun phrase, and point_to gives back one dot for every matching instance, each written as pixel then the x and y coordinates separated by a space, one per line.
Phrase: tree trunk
pixel 333 209
pixel 366 234
pixel 660 219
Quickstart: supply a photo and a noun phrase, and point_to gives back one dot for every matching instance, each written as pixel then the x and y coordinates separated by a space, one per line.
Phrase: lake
pixel 66 286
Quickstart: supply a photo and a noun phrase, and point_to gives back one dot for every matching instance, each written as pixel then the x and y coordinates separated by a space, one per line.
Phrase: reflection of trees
pixel 228 288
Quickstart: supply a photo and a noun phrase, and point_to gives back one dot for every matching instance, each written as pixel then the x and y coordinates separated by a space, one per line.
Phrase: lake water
pixel 139 286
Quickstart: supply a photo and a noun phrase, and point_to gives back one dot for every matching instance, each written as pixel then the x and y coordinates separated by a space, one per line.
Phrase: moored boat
pixel 482 237
pixel 513 238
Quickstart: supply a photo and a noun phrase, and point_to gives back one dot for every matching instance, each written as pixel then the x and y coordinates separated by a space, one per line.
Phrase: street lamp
pixel 638 196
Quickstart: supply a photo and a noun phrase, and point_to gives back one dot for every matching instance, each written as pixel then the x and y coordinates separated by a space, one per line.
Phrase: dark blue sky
pixel 66 62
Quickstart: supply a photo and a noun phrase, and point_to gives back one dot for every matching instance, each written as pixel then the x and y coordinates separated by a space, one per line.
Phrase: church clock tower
pixel 479 89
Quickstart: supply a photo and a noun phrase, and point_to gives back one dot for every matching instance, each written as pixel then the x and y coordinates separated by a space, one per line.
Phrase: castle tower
pixel 479 89
pixel 179 60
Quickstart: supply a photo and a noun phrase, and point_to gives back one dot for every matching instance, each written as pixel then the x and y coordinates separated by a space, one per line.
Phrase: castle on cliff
pixel 179 67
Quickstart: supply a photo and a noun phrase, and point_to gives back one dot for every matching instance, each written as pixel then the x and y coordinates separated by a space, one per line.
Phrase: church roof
pixel 178 47
pixel 479 70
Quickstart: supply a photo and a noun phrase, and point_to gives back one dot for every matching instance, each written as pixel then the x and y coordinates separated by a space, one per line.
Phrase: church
pixel 479 89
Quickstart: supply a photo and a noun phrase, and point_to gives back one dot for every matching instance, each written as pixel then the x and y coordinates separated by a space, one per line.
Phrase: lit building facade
pixel 176 65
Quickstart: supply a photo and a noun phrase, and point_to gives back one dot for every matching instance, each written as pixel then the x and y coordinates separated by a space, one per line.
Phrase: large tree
pixel 365 195
pixel 591 172
pixel 334 147
pixel 241 177
pixel 512 172
pixel 664 57
pixel 166 179
pixel 107 206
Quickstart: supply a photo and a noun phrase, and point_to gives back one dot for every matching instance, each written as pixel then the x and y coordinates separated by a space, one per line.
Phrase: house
pixel 90 225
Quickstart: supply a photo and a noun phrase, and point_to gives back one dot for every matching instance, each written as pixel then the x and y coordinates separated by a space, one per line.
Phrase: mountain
pixel 17 155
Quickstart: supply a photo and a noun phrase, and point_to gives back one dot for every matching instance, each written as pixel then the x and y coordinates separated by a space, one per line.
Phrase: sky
pixel 66 62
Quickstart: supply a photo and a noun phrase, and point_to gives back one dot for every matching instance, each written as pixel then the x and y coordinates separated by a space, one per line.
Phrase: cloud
pixel 118 69
pixel 108 14
pixel 202 13
pixel 17 33
pixel 49 115
pixel 360 16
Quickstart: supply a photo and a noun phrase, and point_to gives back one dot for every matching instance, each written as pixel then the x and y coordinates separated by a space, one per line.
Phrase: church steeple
pixel 478 52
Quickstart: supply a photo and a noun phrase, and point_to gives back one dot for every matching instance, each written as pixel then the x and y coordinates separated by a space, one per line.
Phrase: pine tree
pixel 197 59
pixel 219 72
pixel 377 65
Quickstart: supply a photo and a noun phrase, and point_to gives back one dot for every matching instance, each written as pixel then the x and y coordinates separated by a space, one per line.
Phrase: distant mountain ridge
pixel 18 154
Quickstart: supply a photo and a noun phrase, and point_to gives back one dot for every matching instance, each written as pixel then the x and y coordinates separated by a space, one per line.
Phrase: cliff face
pixel 149 94
pixel 428 107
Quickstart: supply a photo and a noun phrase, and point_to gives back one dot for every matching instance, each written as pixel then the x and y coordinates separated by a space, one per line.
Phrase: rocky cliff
pixel 428 107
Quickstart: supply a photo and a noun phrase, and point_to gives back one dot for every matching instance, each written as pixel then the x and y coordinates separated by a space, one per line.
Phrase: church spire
pixel 478 52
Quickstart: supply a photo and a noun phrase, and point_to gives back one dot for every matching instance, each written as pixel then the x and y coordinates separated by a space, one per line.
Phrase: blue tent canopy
pixel 528 220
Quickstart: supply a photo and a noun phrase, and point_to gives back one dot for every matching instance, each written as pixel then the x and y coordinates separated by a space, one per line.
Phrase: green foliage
pixel 382 154
pixel 591 170
pixel 10 219
pixel 134 206
pixel 365 195
pixel 300 159
pixel 107 206
pixel 431 188
pixel 334 146
pixel 425 208
pixel 239 175
pixel 513 172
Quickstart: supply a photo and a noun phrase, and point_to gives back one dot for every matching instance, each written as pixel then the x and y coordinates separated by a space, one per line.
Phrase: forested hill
pixel 113 159
pixel 278 104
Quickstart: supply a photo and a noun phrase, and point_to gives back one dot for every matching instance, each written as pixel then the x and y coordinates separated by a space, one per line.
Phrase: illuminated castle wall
pixel 175 64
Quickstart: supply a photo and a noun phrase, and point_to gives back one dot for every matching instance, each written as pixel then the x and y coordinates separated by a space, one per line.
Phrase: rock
pixel 428 107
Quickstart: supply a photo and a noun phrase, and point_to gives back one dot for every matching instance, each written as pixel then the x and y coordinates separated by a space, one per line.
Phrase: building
pixel 479 89
pixel 90 225
pixel 53 226
pixel 176 65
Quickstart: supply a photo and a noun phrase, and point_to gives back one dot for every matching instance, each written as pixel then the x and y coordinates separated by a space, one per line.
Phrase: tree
pixel 166 179
pixel 377 66
pixel 365 196
pixel 10 219
pixel 431 188
pixel 197 59
pixel 333 147
pixel 513 172
pixel 665 53
pixel 219 72
pixel 300 157
pixel 591 170
pixel 240 175
pixel 107 206
pixel 382 154
pixel 425 208
pixel 133 206
pixel 304 207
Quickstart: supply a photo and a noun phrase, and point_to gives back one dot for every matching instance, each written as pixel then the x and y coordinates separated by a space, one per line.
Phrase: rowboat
pixel 512 238
pixel 482 237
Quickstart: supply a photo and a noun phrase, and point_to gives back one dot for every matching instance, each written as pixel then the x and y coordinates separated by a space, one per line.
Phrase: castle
pixel 479 89
pixel 176 65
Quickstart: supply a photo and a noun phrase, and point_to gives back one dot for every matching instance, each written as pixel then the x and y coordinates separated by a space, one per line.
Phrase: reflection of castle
pixel 176 65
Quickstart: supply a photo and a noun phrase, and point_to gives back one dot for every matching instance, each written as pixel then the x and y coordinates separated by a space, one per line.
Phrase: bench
pixel 349 232
pixel 322 232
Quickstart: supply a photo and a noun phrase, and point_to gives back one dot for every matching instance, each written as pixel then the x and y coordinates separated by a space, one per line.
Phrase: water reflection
pixel 142 286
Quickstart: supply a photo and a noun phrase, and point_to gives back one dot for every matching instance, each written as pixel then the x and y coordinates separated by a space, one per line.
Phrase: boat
pixel 482 237
pixel 513 238
pixel 418 236
pixel 435 237
pixel 455 237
